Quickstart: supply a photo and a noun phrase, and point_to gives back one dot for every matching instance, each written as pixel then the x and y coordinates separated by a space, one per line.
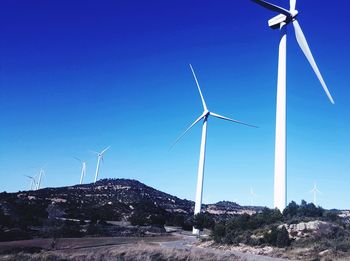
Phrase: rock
pixel 307 229
pixel 325 252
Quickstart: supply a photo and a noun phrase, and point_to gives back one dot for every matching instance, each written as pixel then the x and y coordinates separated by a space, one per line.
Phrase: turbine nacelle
pixel 289 16
pixel 275 22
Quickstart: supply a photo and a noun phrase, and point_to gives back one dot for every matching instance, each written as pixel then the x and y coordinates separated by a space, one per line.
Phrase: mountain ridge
pixel 117 197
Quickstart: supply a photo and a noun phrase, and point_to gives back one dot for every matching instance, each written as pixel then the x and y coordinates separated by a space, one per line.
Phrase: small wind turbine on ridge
pixel 314 191
pixel 99 158
pixel 32 182
pixel 83 169
pixel 41 173
pixel 204 116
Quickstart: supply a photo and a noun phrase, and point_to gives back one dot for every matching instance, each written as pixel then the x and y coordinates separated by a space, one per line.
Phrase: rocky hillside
pixel 107 199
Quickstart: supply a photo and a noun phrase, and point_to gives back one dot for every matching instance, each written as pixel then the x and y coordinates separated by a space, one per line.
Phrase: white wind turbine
pixel 41 173
pixel 99 158
pixel 281 21
pixel 32 182
pixel 204 116
pixel 83 169
pixel 314 191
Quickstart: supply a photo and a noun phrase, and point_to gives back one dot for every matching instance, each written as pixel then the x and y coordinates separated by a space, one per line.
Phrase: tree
pixel 291 210
pixel 282 239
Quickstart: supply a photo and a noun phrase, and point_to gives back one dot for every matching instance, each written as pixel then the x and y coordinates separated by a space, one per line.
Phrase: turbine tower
pixel 32 182
pixel 281 21
pixel 83 170
pixel 314 191
pixel 99 158
pixel 204 116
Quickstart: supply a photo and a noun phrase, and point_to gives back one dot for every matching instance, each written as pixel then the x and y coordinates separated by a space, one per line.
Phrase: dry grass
pixel 137 252
pixel 85 242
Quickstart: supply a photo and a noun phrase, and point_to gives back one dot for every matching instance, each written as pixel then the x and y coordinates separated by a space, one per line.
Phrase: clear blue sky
pixel 81 75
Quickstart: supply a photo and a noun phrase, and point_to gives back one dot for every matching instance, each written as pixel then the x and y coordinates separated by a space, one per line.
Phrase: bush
pixel 175 220
pixel 70 229
pixel 138 219
pixel 15 250
pixel 203 220
pixel 188 224
pixel 146 213
pixel 270 237
pixel 157 220
pixel 219 232
pixel 14 234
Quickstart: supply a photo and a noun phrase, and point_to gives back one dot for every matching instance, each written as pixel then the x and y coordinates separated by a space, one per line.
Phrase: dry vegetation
pixel 137 252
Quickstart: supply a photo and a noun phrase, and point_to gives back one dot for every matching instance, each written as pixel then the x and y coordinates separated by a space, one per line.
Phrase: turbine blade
pixel 292 5
pixel 107 148
pixel 229 119
pixel 77 159
pixel 199 88
pixel 307 52
pixel 184 133
pixel 95 152
pixel 272 7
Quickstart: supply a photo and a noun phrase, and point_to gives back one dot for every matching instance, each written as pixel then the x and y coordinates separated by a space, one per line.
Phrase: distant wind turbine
pixel 83 169
pixel 204 116
pixel 41 173
pixel 281 21
pixel 314 191
pixel 32 182
pixel 99 158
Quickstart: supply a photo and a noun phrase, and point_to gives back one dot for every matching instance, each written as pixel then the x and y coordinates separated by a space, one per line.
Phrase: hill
pixel 28 212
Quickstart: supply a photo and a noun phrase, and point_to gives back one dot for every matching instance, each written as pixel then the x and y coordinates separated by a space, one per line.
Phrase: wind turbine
pixel 41 173
pixel 99 157
pixel 314 191
pixel 83 169
pixel 32 182
pixel 281 21
pixel 204 116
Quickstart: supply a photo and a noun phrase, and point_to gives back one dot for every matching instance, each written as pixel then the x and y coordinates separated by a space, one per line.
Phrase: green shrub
pixel 219 232
pixel 203 220
pixel 270 237
pixel 188 224
pixel 282 239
